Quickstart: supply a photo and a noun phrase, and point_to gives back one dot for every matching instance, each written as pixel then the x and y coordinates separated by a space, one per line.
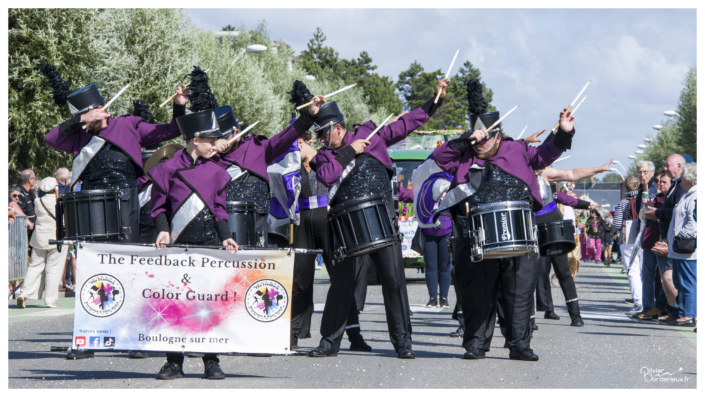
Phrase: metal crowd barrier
pixel 18 248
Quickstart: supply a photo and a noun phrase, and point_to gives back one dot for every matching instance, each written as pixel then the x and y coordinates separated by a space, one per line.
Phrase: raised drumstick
pixel 447 73
pixel 174 96
pixel 327 96
pixel 379 127
pixel 496 123
pixel 112 100
pixel 573 103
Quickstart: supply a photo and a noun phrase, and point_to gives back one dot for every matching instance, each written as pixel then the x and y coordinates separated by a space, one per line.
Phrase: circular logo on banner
pixel 266 300
pixel 102 295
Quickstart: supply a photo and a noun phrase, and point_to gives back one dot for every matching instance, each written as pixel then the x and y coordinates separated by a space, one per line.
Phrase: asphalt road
pixel 611 351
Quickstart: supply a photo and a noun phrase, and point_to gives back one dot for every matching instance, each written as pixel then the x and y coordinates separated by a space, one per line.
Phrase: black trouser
pixel 544 300
pixel 148 234
pixel 481 283
pixel 458 310
pixel 344 277
pixel 178 357
pixel 130 209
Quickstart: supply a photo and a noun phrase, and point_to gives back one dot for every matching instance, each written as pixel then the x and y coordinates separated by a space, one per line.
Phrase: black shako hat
pixel 199 124
pixel 226 119
pixel 328 116
pixel 85 99
pixel 480 118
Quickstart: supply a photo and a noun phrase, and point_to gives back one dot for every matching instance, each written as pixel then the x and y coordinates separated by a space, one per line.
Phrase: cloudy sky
pixel 637 60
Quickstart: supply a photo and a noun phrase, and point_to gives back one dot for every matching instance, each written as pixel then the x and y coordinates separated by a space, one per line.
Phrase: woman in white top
pixel 46 259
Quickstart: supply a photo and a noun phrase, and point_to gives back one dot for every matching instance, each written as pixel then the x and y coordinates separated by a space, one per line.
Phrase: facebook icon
pixel 94 341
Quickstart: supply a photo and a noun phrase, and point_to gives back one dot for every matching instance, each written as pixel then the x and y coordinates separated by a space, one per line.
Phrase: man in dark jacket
pixel 674 167
pixel 26 203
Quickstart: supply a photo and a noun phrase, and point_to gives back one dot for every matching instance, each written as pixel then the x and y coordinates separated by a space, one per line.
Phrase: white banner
pixel 172 299
pixel 408 228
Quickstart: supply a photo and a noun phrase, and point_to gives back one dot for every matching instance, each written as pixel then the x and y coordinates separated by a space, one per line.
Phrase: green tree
pixel 319 60
pixel 37 37
pixel 688 110
pixel 612 177
pixel 228 28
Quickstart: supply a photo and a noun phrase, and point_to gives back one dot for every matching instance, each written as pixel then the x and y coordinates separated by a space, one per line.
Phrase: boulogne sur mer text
pixel 165 260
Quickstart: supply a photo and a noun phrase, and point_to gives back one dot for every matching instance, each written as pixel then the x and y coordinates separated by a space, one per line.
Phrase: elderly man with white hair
pixel 63 178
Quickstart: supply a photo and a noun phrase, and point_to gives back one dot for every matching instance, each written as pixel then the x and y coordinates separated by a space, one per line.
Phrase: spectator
pixel 682 233
pixel 45 258
pixel 674 167
pixel 63 178
pixel 654 302
pixel 595 227
pixel 626 211
pixel 26 200
pixel 607 242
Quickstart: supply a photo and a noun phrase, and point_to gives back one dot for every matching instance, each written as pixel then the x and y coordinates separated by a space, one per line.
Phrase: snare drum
pixel 89 215
pixel 241 222
pixel 362 226
pixel 501 230
pixel 556 238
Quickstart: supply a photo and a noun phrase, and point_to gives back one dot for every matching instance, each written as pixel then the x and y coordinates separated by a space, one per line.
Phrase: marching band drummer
pixel 107 154
pixel 192 183
pixel 495 169
pixel 252 154
pixel 339 168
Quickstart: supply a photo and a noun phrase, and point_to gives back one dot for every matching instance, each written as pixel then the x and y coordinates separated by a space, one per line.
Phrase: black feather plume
pixel 142 110
pixel 300 94
pixel 58 85
pixel 477 104
pixel 201 97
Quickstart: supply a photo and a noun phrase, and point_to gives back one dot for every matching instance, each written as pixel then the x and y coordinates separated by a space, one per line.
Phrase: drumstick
pixel 467 208
pixel 496 123
pixel 574 110
pixel 447 73
pixel 175 94
pixel 327 96
pixel 379 127
pixel 112 100
pixel 571 105
pixel 231 140
pixel 562 158
pixel 522 132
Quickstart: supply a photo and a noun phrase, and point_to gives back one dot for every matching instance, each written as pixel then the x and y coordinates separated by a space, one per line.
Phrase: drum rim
pixel 363 199
pixel 89 193
pixel 232 204
pixel 509 205
pixel 387 241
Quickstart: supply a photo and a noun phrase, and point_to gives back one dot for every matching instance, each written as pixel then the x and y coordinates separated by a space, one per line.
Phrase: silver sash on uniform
pixel 546 193
pixel 84 157
pixel 185 214
pixel 278 172
pixel 145 196
pixel 234 171
pixel 334 189
pixel 458 194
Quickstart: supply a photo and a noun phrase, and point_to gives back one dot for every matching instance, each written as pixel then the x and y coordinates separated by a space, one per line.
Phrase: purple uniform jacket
pixel 328 171
pixel 514 157
pixel 124 132
pixel 258 151
pixel 405 195
pixel 142 183
pixel 565 199
pixel 175 179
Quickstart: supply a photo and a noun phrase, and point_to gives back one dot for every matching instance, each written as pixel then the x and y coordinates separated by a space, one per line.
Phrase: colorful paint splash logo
pixel 266 300
pixel 102 295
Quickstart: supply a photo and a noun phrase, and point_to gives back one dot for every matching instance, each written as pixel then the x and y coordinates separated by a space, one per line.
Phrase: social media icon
pixel 80 341
pixel 109 341
pixel 94 341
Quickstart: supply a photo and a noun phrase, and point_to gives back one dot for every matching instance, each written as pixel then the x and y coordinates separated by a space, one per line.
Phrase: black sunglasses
pixel 15 196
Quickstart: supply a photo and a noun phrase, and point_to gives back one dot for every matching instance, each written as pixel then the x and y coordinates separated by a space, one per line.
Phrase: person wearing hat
pixel 495 168
pixel 107 154
pixel 350 166
pixel 188 207
pixel 253 153
pixel 46 258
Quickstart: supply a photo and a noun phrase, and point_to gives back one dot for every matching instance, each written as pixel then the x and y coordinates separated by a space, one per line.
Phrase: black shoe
pixel 406 353
pixel 358 345
pixel 474 353
pixel 170 371
pixel 139 355
pixel 433 302
pixel 322 352
pixel 294 347
pixel 411 314
pixel 194 355
pixel 79 355
pixel 629 301
pixel 577 321
pixel 551 316
pixel 459 333
pixel 525 354
pixel 443 304
pixel 574 312
pixel 667 319
pixel 686 323
pixel 213 371
pixel 534 327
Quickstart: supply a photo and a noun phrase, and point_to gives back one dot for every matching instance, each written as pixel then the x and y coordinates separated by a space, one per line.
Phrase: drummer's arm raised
pixel 396 131
pixel 64 138
pixel 449 155
pixel 542 156
pixel 151 134
pixel 327 171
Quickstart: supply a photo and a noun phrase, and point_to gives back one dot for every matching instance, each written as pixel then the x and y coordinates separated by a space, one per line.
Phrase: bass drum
pixel 89 215
pixel 556 238
pixel 241 222
pixel 362 226
pixel 501 230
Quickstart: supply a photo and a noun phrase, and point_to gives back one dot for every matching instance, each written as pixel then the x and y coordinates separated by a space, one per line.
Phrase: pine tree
pixel 688 119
